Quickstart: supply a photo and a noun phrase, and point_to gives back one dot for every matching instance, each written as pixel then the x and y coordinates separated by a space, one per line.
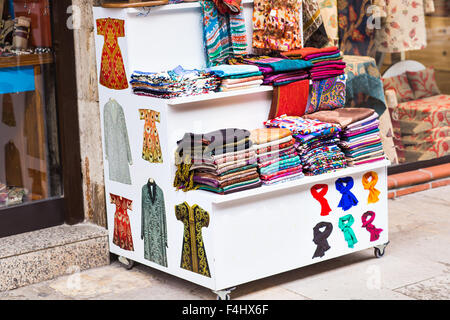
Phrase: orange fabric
pixel 122 230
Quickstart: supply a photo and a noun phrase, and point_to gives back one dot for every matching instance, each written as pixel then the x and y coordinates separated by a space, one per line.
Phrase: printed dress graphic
pixel 117 146
pixel 151 149
pixel 154 226
pixel 112 74
pixel 193 257
pixel 122 230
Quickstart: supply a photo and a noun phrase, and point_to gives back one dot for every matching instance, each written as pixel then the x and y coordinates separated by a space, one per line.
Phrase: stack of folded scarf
pixel 276 70
pixel 327 62
pixel 174 83
pixel 12 195
pixel 277 159
pixel 237 77
pixel 221 161
pixel 316 143
pixel 360 136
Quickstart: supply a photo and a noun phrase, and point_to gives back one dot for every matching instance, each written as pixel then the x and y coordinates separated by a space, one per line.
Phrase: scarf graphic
pixel 320 196
pixel 348 200
pixel 320 238
pixel 370 185
pixel 345 224
pixel 374 232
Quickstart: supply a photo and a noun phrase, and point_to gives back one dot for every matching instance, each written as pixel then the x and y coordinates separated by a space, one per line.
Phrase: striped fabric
pixel 224 35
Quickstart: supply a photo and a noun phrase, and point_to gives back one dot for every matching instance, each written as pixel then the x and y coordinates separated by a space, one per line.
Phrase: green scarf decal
pixel 345 223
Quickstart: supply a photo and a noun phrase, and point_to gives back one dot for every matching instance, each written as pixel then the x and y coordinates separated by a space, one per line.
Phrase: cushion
pixel 401 86
pixel 423 83
pixel 327 94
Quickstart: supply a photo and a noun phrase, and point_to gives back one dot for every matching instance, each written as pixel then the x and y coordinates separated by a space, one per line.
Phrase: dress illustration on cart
pixel 122 236
pixel 112 72
pixel 151 149
pixel 193 257
pixel 154 226
pixel 117 146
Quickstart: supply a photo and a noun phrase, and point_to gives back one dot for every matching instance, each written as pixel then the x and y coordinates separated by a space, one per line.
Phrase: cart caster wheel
pixel 227 297
pixel 224 294
pixel 126 263
pixel 378 253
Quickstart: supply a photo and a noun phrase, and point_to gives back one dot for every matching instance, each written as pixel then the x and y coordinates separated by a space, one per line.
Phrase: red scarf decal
pixel 320 196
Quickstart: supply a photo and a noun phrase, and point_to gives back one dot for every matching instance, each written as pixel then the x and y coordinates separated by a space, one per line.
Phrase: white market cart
pixel 251 234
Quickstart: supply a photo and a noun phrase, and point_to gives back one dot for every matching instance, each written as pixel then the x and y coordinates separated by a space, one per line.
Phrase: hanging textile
pixel 8 111
pixel 224 34
pixel 355 37
pixel 122 236
pixel 329 12
pixel 314 33
pixel 348 200
pixel 34 125
pixel 370 185
pixel 320 238
pixel 117 146
pixel 404 26
pixel 13 167
pixel 228 6
pixel 318 192
pixel 112 72
pixel 153 224
pixel 374 232
pixel 276 25
pixel 193 256
pixel 345 224
pixel 151 149
pixel 37 187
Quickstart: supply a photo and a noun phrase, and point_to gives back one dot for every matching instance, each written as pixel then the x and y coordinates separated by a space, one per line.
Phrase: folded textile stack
pixel 12 195
pixel 237 77
pixel 276 71
pixel 327 62
pixel 316 143
pixel 277 159
pixel 174 83
pixel 221 161
pixel 360 136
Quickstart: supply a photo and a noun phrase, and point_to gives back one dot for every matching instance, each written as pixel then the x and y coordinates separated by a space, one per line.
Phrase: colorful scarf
pixel 348 199
pixel 224 34
pixel 345 224
pixel 374 232
pixel 320 196
pixel 320 238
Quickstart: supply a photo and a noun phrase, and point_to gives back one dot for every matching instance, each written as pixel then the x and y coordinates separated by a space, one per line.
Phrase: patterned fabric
pixel 153 224
pixel 423 83
pixel 122 230
pixel 276 24
pixel 151 150
pixel 193 256
pixel 327 94
pixel 401 86
pixel 312 23
pixel 224 35
pixel 328 11
pixel 117 145
pixel 112 74
pixel 355 37
pixel 404 27
pixel 228 6
pixel 299 125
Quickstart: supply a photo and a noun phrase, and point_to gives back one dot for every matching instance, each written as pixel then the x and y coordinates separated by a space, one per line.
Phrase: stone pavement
pixel 416 265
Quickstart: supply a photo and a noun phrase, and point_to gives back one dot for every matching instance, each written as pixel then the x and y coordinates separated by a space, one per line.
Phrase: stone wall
pixel 88 112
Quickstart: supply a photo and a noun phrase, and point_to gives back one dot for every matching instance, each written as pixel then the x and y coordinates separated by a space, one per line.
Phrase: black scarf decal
pixel 320 238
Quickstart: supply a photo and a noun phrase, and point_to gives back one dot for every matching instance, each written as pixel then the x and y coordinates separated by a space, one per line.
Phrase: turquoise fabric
pixel 17 79
pixel 345 224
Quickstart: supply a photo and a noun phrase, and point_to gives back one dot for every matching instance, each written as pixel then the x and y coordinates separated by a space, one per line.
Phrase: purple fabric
pixel 362 144
pixel 372 123
pixel 321 54
pixel 354 133
pixel 326 63
pixel 363 122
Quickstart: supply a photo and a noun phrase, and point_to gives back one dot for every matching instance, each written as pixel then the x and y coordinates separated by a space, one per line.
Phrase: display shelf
pixel 307 180
pixel 169 7
pixel 26 60
pixel 217 95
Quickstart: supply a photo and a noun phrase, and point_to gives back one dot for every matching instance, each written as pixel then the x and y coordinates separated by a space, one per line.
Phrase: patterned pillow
pixel 401 86
pixel 423 83
pixel 327 94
